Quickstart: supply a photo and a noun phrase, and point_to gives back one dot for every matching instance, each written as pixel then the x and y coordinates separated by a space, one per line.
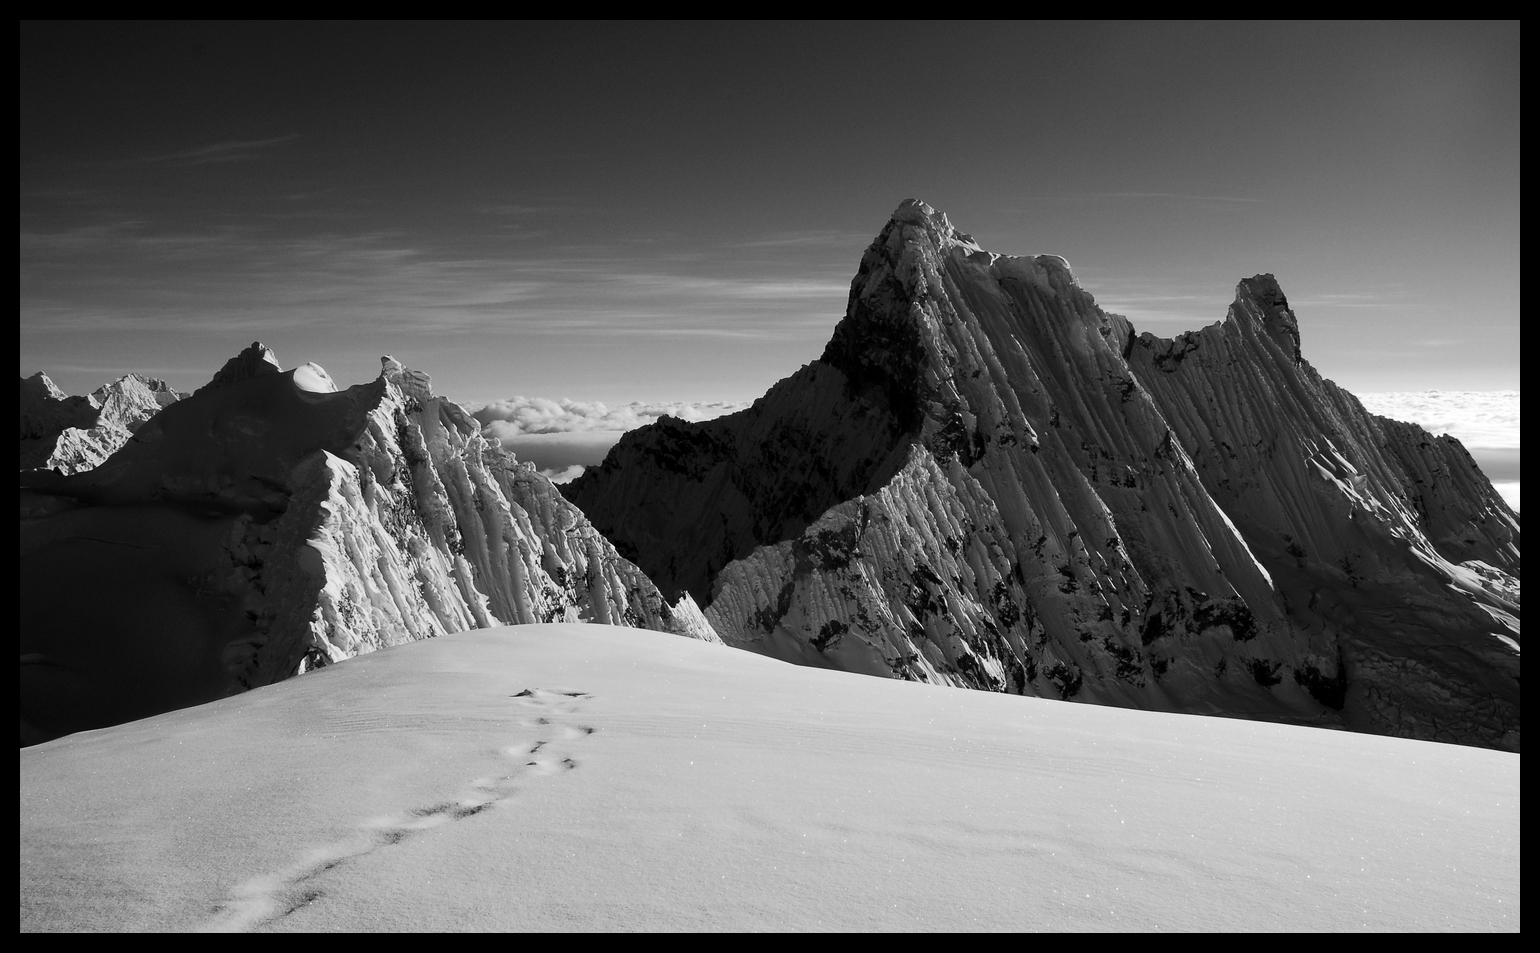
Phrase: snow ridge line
pixel 268 898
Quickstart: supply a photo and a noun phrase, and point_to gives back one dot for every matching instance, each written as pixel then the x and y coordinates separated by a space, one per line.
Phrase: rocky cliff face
pixel 276 524
pixel 987 481
pixel 72 434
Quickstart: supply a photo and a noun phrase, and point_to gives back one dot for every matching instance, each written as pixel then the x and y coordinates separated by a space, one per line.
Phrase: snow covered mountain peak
pixel 414 384
pixel 1261 300
pixel 45 409
pixel 270 524
pixel 918 212
pixel 41 384
pixel 254 361
pixel 988 481
pixel 72 434
pixel 133 399
pixel 916 222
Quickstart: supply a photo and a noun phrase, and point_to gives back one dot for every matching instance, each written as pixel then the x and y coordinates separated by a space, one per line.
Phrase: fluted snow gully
pixel 988 481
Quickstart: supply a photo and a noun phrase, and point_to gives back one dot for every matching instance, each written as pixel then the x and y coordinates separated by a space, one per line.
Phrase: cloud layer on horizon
pixel 561 437
pixel 518 416
pixel 1477 418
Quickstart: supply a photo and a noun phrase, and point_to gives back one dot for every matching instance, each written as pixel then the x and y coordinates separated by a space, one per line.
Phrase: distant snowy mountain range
pixel 985 481
pixel 71 434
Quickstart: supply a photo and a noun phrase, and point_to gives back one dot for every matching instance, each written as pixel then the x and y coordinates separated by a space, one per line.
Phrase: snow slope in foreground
pixel 578 776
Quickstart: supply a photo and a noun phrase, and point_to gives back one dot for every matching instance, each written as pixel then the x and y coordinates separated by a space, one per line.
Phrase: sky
pixel 586 777
pixel 674 212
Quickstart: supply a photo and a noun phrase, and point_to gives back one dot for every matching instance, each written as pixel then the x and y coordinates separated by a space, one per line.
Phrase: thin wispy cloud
pixel 1354 300
pixel 1179 196
pixel 111 372
pixel 1072 197
pixel 746 289
pixel 229 278
pixel 230 151
pixel 1146 300
pixel 518 209
pixel 812 237
pixel 1155 301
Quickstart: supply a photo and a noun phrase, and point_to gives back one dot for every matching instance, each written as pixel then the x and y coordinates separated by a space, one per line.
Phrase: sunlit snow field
pixel 586 777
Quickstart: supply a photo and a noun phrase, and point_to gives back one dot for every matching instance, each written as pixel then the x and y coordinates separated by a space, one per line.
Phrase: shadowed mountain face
pixel 988 481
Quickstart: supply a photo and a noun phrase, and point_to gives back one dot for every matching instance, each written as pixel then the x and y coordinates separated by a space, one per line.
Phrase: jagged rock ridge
pixel 988 481
pixel 288 525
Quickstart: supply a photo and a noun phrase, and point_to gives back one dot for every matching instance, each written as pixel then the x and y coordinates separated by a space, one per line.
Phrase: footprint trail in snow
pixel 271 897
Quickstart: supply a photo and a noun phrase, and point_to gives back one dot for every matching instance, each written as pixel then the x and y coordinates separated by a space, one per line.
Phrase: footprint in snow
pixel 271 897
